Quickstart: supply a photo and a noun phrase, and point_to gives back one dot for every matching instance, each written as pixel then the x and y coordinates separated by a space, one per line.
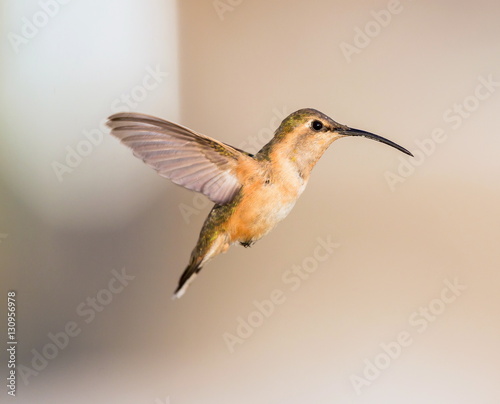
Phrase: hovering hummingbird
pixel 252 193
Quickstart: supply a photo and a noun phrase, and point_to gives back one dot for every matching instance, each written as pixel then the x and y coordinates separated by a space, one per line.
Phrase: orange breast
pixel 263 205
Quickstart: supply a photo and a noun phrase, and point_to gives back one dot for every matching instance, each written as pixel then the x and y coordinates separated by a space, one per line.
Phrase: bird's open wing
pixel 190 159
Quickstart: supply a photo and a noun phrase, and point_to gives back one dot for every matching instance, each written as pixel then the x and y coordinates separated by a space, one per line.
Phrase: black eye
pixel 317 125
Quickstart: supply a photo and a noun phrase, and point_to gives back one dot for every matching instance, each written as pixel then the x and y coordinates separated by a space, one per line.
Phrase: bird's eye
pixel 317 125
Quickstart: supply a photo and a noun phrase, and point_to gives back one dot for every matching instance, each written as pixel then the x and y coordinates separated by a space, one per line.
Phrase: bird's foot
pixel 246 244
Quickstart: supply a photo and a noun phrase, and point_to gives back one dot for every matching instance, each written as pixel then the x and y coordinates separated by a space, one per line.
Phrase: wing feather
pixel 195 161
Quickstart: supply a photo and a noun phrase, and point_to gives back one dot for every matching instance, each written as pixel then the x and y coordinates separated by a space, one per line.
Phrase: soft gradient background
pixel 231 69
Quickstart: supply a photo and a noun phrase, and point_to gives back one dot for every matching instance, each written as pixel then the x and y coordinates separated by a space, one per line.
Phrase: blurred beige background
pixel 402 306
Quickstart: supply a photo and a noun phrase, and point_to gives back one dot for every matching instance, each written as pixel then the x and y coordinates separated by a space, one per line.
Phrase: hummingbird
pixel 252 193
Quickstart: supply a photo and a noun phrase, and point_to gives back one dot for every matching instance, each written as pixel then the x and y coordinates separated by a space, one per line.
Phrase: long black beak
pixel 359 132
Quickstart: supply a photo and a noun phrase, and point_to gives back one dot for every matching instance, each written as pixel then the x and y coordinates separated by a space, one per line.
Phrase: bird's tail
pixel 195 265
pixel 212 242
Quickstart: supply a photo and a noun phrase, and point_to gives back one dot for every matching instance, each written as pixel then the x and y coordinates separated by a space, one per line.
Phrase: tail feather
pixel 187 277
pixel 211 243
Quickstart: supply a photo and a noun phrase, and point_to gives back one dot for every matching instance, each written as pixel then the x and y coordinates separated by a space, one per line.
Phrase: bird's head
pixel 305 134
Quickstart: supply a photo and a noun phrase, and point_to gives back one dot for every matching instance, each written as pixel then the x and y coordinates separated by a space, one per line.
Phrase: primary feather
pixel 189 159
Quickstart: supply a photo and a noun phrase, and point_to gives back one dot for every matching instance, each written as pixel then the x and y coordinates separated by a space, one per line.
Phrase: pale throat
pixel 299 159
